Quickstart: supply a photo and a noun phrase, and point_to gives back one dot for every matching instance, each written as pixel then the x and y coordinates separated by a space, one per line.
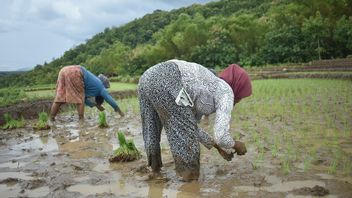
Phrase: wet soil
pixel 71 160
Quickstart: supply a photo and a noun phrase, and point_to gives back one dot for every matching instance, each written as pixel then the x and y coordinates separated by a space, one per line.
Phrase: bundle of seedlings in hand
pixel 12 123
pixel 42 123
pixel 126 152
pixel 102 120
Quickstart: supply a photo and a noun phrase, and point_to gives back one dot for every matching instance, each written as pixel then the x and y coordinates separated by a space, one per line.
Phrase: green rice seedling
pixel 275 148
pixel 347 166
pixel 285 165
pixel 307 163
pixel 266 134
pixel 135 105
pixel 11 123
pixel 255 137
pixel 102 120
pixel 291 152
pixel 127 150
pixel 333 166
pixel 260 157
pixel 42 123
pixel 256 163
pixel 123 105
pixel 346 130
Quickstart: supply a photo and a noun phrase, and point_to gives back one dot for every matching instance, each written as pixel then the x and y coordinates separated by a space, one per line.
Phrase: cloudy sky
pixel 35 31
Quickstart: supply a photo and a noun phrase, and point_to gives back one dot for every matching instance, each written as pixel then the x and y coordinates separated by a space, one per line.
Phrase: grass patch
pixel 117 86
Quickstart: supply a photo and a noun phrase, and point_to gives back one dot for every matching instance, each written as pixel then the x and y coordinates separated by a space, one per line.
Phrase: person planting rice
pixel 175 95
pixel 77 85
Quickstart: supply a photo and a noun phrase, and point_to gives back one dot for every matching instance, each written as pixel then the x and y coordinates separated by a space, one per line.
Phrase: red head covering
pixel 238 80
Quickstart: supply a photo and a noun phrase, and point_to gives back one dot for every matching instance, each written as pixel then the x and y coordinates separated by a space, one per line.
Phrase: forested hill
pixel 249 32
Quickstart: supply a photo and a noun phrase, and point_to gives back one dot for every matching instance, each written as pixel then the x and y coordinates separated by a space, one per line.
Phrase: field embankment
pixel 332 69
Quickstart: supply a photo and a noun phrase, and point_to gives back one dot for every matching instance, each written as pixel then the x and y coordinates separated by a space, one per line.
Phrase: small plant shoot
pixel 11 123
pixel 126 152
pixel 102 120
pixel 42 123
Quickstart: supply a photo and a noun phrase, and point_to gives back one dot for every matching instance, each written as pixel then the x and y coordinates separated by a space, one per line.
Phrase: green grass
pixel 40 87
pixel 301 121
pixel 117 86
pixel 41 94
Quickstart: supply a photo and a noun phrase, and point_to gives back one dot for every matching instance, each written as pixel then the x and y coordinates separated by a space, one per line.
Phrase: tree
pixel 218 51
pixel 283 45
pixel 343 36
pixel 111 61
pixel 316 32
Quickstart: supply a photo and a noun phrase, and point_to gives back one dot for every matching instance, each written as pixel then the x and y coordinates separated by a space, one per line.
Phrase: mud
pixel 71 160
pixel 315 191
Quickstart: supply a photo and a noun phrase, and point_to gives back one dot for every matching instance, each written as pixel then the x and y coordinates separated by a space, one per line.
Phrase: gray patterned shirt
pixel 209 94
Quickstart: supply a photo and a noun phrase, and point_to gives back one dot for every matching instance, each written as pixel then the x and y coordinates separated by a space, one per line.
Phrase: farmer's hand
pixel 120 112
pixel 224 154
pixel 101 108
pixel 240 148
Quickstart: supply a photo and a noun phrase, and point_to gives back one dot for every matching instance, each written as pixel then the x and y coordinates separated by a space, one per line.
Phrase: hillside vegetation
pixel 249 32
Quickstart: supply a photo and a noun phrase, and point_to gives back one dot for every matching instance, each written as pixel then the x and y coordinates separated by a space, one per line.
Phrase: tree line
pixel 248 32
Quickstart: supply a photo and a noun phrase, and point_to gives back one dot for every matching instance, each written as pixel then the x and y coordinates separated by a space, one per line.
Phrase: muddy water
pixel 71 160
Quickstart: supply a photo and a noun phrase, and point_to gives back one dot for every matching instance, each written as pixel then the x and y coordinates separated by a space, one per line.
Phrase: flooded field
pixel 299 144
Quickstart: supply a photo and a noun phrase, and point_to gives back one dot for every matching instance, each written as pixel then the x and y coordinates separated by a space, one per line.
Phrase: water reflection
pixel 191 189
pixel 156 189
pixel 161 189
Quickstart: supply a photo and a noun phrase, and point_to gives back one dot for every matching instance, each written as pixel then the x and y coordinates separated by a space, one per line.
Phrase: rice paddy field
pixel 298 122
pixel 298 134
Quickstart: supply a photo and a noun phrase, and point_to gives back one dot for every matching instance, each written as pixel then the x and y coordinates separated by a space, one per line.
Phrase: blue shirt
pixel 94 87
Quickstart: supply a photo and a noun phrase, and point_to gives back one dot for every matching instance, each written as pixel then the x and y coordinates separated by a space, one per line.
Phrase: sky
pixel 36 31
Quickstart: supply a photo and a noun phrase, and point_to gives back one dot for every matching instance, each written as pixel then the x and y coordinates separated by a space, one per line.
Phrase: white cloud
pixel 55 26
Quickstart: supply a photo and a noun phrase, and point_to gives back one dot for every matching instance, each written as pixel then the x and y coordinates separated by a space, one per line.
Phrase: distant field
pixel 115 86
pixel 14 95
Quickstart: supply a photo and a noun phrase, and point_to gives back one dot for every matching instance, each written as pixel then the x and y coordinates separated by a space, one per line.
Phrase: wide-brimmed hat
pixel 104 80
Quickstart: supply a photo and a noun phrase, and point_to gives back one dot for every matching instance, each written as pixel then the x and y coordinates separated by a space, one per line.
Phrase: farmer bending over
pixel 77 85
pixel 175 95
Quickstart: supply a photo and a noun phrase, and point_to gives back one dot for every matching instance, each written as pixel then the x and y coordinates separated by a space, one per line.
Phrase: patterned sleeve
pixel 205 138
pixel 224 108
